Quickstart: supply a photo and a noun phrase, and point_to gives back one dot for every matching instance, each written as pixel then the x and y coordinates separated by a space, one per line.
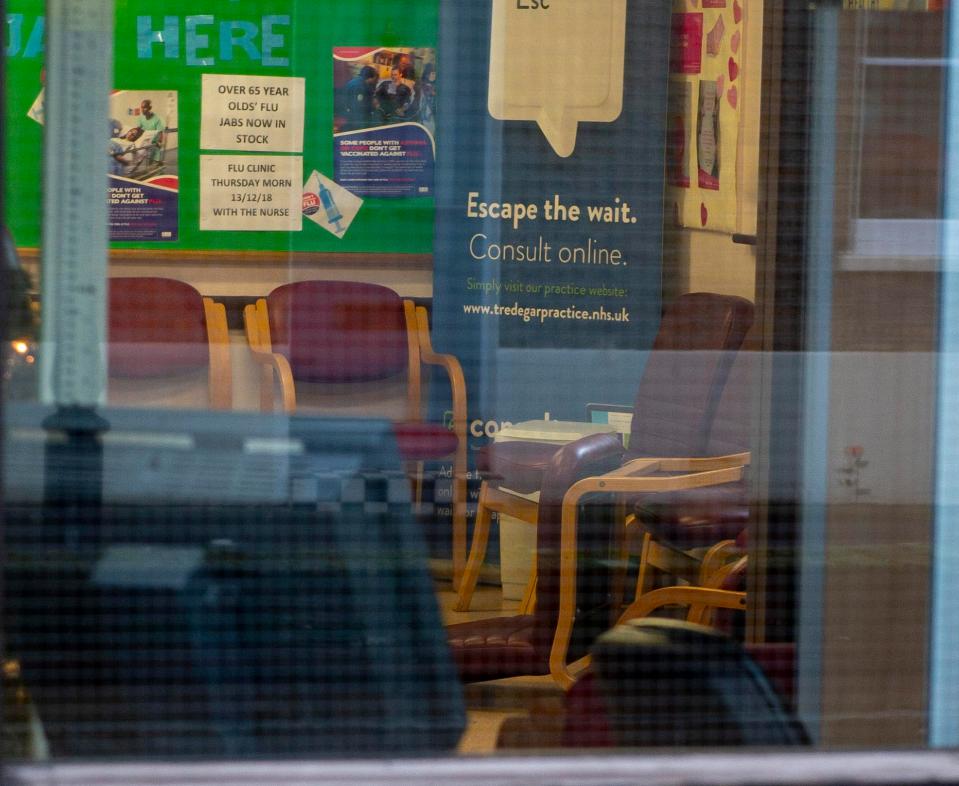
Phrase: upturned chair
pixel 583 475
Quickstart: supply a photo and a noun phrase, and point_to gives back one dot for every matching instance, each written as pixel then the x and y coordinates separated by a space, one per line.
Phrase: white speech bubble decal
pixel 558 62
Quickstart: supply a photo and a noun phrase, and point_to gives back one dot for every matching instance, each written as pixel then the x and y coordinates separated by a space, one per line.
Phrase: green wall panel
pixel 315 27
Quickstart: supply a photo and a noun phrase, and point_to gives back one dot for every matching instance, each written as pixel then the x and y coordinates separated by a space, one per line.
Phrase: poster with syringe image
pixel 329 205
pixel 142 164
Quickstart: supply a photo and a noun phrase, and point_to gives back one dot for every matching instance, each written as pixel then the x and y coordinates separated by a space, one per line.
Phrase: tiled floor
pixel 487 602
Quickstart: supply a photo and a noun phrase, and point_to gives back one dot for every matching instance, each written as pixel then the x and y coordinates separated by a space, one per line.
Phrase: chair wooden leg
pixel 459 494
pixel 528 604
pixel 644 577
pixel 625 544
pixel 467 584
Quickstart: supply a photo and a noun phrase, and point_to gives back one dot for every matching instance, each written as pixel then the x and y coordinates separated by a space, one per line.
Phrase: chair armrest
pixel 453 369
pixel 642 465
pixel 648 602
pixel 614 482
pixel 279 366
pixel 257 326
pixel 581 458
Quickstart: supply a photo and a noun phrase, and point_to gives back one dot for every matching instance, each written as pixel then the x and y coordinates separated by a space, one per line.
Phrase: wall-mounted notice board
pixel 238 125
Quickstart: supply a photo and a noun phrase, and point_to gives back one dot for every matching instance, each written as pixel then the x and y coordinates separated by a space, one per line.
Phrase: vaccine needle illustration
pixel 333 214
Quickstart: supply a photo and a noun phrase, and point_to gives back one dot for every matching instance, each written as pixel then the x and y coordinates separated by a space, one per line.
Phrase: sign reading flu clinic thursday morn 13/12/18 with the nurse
pixel 549 197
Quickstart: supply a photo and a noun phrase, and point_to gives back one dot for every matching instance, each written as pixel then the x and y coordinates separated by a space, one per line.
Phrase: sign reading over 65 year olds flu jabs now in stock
pixel 259 114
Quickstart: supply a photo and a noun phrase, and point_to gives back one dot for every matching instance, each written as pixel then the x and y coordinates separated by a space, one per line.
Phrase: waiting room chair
pixel 342 347
pixel 167 345
pixel 540 642
pixel 674 410
pixel 721 580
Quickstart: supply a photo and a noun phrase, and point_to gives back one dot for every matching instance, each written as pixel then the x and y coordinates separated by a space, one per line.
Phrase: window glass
pixel 411 378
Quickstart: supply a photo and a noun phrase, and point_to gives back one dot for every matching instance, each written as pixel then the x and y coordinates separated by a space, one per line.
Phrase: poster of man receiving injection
pixel 142 165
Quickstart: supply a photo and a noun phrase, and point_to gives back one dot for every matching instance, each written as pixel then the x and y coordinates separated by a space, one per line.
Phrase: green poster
pixel 251 88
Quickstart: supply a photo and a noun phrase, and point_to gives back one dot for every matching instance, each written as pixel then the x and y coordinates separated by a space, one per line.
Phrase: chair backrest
pixel 352 347
pixel 162 328
pixel 339 331
pixel 684 377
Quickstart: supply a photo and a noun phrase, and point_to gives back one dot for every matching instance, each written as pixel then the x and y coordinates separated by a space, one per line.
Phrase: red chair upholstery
pixel 352 342
pixel 587 714
pixel 162 328
pixel 675 407
pixel 586 722
pixel 339 331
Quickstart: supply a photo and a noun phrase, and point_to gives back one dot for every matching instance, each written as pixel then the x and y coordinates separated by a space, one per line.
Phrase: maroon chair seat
pixel 424 441
pixel 697 518
pixel 157 327
pixel 161 335
pixel 587 721
pixel 339 331
pixel 499 647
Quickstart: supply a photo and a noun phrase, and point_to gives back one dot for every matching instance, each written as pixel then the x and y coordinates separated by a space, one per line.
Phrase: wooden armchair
pixel 637 477
pixel 539 642
pixel 683 381
pixel 350 344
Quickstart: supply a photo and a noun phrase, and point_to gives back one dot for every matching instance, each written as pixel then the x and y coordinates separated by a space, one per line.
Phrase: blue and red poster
pixel 384 120
pixel 143 167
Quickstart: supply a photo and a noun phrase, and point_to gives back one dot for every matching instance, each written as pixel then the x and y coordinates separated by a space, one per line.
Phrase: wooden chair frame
pixel 218 340
pixel 494 499
pixel 275 370
pixel 636 477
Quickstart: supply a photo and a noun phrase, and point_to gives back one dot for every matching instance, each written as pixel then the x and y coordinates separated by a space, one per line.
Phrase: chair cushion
pixel 695 518
pixel 519 464
pixel 494 648
pixel 157 327
pixel 339 331
pixel 424 441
